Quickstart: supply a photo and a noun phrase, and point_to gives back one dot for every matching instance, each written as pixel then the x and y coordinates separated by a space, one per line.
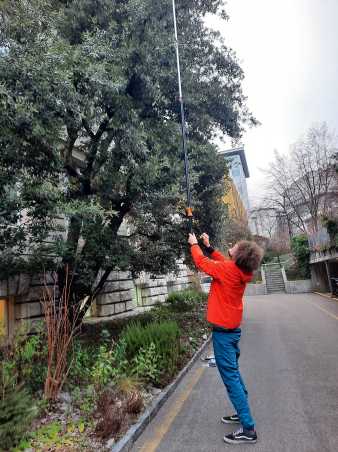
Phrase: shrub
pixel 301 251
pixel 16 414
pixel 24 361
pixel 185 300
pixel 110 364
pixel 82 361
pixel 164 336
pixel 146 364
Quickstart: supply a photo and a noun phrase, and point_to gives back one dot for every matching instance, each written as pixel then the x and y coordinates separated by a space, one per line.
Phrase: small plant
pixel 110 364
pixel 128 384
pixel 134 403
pixel 103 369
pixel 17 411
pixel 112 415
pixel 146 364
pixel 55 436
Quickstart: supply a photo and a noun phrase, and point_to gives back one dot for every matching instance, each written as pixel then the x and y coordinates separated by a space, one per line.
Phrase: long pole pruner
pixel 183 128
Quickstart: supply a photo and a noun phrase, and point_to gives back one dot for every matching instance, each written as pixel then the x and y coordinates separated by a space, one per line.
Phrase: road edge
pixel 125 443
pixel 324 295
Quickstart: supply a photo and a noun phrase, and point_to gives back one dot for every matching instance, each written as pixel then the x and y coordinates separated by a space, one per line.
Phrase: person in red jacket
pixel 224 313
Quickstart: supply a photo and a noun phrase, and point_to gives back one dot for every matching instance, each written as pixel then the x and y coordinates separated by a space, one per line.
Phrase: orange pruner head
pixel 188 211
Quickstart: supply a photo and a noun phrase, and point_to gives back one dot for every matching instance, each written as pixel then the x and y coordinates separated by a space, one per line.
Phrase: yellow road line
pixel 324 310
pixel 152 444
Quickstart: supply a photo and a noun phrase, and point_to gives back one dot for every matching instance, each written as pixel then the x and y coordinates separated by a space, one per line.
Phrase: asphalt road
pixel 289 361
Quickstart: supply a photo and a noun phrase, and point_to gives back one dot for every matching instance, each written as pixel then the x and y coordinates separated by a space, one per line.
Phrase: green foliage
pixel 98 80
pixel 24 361
pixel 301 251
pixel 146 364
pixel 185 300
pixel 331 225
pixel 270 255
pixel 55 436
pixel 164 336
pixel 82 360
pixel 17 411
pixel 110 364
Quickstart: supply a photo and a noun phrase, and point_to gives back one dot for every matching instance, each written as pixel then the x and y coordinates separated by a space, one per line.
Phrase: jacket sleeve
pixel 218 256
pixel 210 267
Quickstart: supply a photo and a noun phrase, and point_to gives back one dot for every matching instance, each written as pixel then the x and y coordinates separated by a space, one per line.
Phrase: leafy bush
pixel 17 411
pixel 110 364
pixel 146 364
pixel 301 251
pixel 184 300
pixel 331 225
pixel 24 361
pixel 83 359
pixel 164 336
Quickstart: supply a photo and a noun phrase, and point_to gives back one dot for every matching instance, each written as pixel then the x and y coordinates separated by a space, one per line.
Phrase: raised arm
pixel 208 266
pixel 214 254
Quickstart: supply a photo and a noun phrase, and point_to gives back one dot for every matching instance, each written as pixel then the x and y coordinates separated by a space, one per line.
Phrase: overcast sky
pixel 289 52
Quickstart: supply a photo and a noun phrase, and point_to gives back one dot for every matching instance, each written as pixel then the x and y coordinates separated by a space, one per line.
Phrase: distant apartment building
pixel 237 194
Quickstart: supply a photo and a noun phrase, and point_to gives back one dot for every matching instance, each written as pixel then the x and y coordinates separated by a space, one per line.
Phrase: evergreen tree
pixel 90 134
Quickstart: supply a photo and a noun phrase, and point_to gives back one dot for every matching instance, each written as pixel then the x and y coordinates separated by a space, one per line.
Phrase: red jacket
pixel 225 301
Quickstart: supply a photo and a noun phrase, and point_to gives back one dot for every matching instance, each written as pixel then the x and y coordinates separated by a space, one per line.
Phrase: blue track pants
pixel 227 352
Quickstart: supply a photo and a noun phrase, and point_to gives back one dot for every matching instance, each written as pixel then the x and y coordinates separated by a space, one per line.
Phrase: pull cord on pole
pixel 183 129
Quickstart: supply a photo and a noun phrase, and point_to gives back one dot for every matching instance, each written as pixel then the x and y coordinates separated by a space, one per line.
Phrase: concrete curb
pixel 126 443
pixel 329 297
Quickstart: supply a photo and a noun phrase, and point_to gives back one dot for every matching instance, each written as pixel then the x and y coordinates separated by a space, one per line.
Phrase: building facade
pixel 238 172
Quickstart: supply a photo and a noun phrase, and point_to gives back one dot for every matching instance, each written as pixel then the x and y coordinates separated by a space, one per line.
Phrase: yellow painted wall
pixel 3 318
pixel 236 207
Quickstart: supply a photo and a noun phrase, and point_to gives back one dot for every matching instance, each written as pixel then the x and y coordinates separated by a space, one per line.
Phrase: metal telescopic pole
pixel 183 129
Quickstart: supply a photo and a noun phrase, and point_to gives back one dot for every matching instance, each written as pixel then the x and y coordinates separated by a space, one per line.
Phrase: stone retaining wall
pixel 255 289
pixel 120 293
pixel 299 286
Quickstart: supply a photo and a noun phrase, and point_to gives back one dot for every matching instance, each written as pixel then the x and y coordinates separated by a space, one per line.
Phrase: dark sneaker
pixel 241 437
pixel 234 419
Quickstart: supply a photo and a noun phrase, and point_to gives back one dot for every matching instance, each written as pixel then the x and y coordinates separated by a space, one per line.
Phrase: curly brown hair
pixel 248 256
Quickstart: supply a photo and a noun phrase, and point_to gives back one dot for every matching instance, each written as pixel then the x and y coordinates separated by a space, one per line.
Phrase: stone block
pixel 124 275
pixel 108 298
pixel 153 291
pixel 127 284
pixel 125 295
pixel 27 310
pixel 105 310
pixel 120 307
pixel 111 286
pixel 131 304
